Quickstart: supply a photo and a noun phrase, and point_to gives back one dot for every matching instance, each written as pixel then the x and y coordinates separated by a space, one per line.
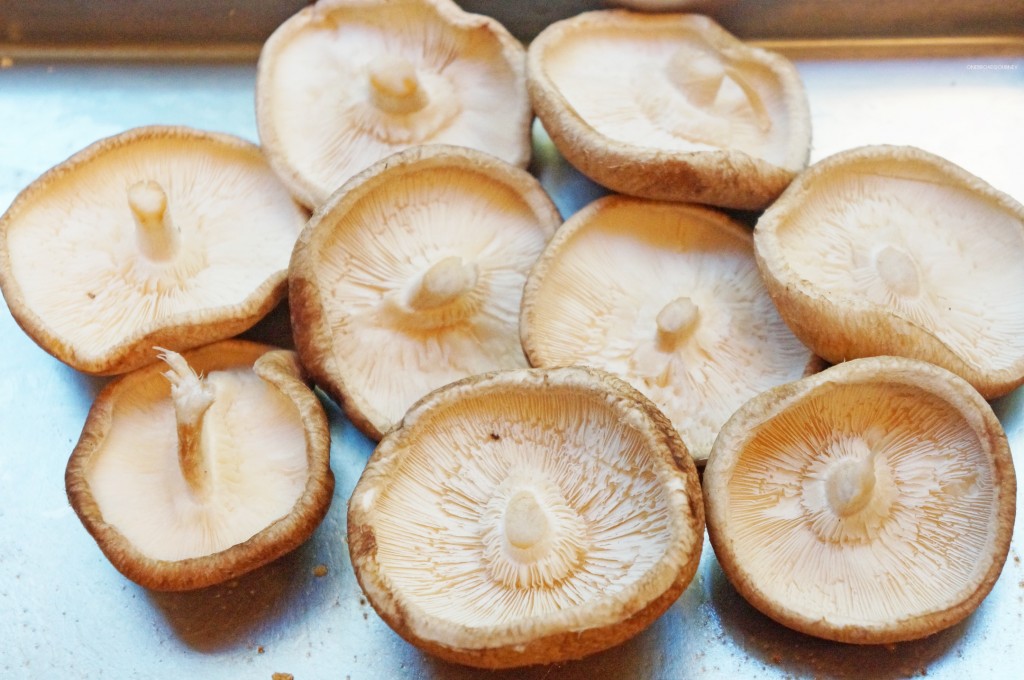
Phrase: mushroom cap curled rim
pixel 891 250
pixel 541 454
pixel 120 500
pixel 158 236
pixel 670 107
pixel 667 296
pixel 410 277
pixel 870 503
pixel 344 83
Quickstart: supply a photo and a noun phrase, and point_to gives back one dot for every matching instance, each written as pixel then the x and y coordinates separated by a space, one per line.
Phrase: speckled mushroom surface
pixel 344 83
pixel 893 250
pixel 526 516
pixel 204 466
pixel 411 276
pixel 668 297
pixel 870 503
pixel 160 235
pixel 670 107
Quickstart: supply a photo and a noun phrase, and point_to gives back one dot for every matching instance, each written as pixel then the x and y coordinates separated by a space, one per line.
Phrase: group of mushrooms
pixel 543 393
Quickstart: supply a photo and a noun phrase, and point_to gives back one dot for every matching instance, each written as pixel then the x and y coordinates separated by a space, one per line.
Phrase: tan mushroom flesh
pixel 202 467
pixel 526 517
pixel 892 250
pixel 164 236
pixel 871 503
pixel 344 83
pixel 668 297
pixel 670 107
pixel 411 276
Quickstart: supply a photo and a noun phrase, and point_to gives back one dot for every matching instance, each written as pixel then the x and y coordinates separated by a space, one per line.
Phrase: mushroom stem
pixel 699 74
pixel 444 282
pixel 526 523
pixel 676 321
pixel 394 85
pixel 850 483
pixel 156 235
pixel 192 397
pixel 897 271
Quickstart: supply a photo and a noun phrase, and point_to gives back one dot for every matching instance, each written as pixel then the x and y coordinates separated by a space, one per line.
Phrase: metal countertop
pixel 68 613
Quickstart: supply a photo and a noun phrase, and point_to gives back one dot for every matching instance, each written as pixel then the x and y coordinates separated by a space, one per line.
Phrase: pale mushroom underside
pixel 625 83
pixel 602 297
pixel 911 549
pixel 75 256
pixel 444 515
pixel 318 114
pixel 391 354
pixel 258 467
pixel 917 249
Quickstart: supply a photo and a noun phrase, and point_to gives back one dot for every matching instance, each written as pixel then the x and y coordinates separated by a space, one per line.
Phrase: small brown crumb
pixel 282 676
pixel 320 570
pixel 260 650
pixel 6 62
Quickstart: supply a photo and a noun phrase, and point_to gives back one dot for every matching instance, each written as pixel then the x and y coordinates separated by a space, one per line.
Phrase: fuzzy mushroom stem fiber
pixel 699 74
pixel 394 85
pixel 445 281
pixel 192 397
pixel 850 483
pixel 526 525
pixel 676 321
pixel 156 234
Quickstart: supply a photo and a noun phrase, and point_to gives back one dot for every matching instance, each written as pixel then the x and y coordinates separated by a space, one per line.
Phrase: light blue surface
pixel 67 613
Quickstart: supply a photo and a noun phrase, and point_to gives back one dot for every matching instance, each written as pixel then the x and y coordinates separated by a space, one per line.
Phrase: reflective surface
pixel 68 613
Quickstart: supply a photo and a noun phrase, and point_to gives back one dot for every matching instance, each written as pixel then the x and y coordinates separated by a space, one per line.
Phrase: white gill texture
pixel 393 354
pixel 626 83
pixel 255 454
pixel 913 548
pixel 75 254
pixel 321 106
pixel 439 525
pixel 603 295
pixel 934 254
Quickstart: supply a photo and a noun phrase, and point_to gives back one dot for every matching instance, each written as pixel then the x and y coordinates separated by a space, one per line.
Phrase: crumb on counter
pixel 320 570
pixel 282 676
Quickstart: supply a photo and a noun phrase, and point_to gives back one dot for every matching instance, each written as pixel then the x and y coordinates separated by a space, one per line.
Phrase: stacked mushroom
pixel 143 245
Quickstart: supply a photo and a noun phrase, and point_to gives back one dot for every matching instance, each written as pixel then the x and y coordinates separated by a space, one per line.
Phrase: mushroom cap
pixel 344 83
pixel 268 442
pixel 668 297
pixel 525 517
pixel 411 277
pixel 670 107
pixel 870 503
pixel 78 279
pixel 886 250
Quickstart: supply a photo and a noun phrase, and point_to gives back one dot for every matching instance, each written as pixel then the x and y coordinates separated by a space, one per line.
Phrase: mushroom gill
pixel 891 250
pixel 667 297
pixel 417 271
pixel 869 503
pixel 545 504
pixel 135 242
pixel 344 83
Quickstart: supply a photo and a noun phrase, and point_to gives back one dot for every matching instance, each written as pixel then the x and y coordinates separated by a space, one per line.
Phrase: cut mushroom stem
pixel 394 86
pixel 526 524
pixel 850 483
pixel 676 321
pixel 192 397
pixel 157 236
pixel 897 271
pixel 443 283
pixel 699 74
